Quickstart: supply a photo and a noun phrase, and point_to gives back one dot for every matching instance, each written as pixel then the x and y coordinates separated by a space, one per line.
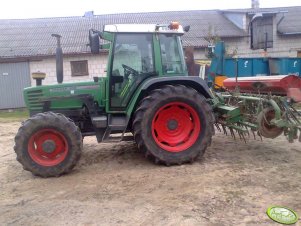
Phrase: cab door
pixel 132 63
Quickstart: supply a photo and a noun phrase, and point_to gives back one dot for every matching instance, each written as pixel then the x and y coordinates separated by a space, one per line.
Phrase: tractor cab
pixel 137 53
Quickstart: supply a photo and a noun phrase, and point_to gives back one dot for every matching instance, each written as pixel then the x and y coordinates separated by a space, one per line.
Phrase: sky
pixel 21 9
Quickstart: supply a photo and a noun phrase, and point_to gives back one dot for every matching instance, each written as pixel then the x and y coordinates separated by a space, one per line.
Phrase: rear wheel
pixel 173 125
pixel 48 144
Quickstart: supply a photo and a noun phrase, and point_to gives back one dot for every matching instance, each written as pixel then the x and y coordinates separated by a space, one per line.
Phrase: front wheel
pixel 48 144
pixel 173 125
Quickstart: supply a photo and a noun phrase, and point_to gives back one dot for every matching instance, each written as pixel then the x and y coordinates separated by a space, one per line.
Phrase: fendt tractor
pixel 147 95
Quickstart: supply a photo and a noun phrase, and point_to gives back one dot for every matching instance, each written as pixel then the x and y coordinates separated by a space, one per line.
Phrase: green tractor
pixel 147 93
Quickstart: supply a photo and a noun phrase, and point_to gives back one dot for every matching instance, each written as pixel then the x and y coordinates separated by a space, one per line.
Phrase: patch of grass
pixel 13 115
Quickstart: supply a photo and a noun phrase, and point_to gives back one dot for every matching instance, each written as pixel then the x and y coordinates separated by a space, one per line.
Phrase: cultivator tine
pixel 240 129
pixel 232 133
pixel 247 130
pixel 260 136
pixel 224 129
pixel 243 137
pixel 218 128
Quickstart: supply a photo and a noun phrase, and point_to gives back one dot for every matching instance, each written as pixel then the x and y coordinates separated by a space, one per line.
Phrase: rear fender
pixel 153 83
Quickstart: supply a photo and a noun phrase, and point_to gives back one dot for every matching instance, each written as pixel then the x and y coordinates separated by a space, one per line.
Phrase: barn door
pixel 14 77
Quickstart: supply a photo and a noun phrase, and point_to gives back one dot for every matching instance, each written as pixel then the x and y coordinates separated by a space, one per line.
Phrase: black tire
pixel 147 116
pixel 264 127
pixel 63 136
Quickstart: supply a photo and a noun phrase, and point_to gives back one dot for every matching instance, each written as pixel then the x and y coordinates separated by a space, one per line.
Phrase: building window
pixel 262 33
pixel 79 68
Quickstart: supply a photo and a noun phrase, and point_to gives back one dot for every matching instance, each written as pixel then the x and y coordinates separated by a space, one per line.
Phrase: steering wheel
pixel 128 70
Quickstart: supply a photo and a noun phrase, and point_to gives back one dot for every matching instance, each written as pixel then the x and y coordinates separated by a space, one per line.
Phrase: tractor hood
pixel 62 96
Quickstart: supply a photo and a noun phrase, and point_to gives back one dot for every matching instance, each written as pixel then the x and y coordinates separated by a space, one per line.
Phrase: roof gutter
pixel 267 12
pixel 278 23
pixel 14 59
pixel 290 33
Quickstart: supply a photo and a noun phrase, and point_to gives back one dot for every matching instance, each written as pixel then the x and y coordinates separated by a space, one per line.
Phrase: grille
pixel 34 99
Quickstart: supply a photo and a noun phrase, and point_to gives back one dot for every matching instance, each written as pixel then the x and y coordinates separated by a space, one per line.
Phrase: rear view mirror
pixel 94 41
pixel 187 28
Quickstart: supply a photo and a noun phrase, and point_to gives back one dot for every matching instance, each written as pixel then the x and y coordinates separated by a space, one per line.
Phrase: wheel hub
pixel 176 126
pixel 172 124
pixel 48 146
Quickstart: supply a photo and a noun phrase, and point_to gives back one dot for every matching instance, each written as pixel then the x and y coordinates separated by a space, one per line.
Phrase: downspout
pixel 280 21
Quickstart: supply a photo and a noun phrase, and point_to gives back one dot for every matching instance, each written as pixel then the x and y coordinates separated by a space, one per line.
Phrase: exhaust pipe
pixel 59 59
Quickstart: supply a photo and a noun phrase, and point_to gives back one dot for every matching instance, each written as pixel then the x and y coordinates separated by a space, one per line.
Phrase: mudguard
pixel 196 83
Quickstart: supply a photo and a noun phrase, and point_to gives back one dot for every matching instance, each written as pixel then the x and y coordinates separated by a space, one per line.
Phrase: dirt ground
pixel 113 184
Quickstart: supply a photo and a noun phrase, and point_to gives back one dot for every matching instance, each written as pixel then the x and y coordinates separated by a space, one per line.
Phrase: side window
pixel 262 33
pixel 79 68
pixel 170 53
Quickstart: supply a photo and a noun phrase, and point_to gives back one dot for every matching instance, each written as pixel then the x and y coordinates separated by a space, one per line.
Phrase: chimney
pixel 255 4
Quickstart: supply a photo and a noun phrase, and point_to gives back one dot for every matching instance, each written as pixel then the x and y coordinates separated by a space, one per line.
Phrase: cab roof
pixel 145 28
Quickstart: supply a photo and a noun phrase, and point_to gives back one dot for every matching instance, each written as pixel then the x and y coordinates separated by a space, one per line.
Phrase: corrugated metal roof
pixel 32 37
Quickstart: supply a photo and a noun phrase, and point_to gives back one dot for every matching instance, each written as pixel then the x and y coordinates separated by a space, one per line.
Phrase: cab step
pixel 115 139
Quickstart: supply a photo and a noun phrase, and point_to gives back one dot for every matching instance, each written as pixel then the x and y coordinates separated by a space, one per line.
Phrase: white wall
pixel 282 47
pixel 96 67
pixel 200 54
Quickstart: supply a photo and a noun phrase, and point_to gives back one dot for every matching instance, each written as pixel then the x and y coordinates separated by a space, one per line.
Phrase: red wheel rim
pixel 48 147
pixel 176 127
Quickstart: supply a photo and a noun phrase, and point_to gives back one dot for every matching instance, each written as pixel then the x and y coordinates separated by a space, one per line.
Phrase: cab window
pixel 171 54
pixel 132 63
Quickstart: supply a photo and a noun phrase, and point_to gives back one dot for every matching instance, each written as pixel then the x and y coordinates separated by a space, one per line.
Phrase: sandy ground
pixel 233 184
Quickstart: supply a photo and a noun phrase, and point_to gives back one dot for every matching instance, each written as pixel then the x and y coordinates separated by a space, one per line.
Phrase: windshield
pixel 172 54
